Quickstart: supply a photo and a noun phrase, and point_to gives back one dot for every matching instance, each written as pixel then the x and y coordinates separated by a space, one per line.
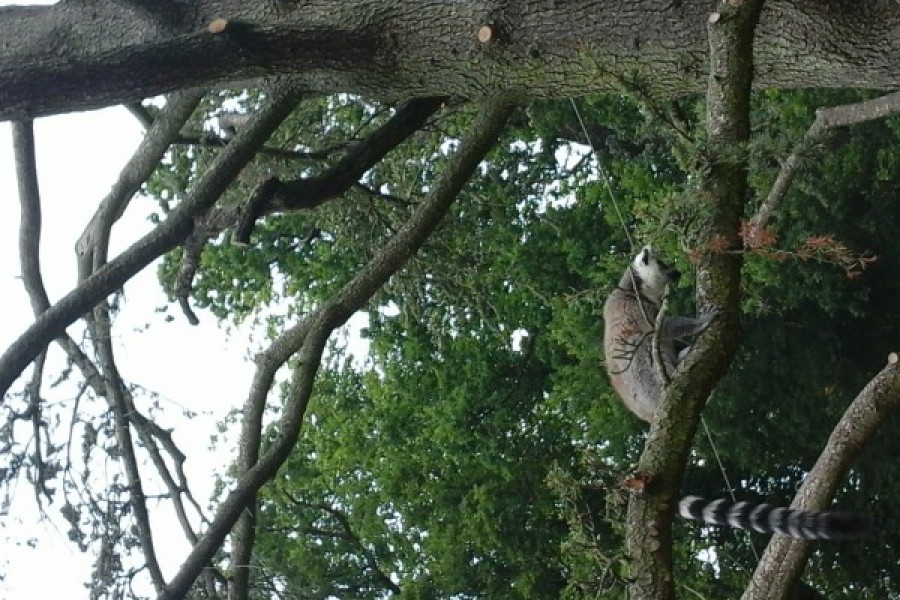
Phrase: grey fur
pixel 630 318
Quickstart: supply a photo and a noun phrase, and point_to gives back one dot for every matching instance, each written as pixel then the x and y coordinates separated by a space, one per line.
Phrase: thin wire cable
pixel 602 172
pixel 715 450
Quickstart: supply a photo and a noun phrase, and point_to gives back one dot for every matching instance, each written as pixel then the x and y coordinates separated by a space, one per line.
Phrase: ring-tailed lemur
pixel 630 319
pixel 630 316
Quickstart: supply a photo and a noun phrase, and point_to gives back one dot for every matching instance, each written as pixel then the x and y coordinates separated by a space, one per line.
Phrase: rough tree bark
pixel 648 542
pixel 62 57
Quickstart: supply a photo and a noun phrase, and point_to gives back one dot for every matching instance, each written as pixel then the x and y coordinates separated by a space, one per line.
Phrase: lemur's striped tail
pixel 764 518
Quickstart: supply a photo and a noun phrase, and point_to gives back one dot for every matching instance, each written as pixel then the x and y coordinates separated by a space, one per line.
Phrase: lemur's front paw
pixel 710 312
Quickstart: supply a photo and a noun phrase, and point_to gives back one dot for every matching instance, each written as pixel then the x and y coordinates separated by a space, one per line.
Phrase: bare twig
pixel 784 558
pixel 115 393
pixel 826 119
pixel 308 339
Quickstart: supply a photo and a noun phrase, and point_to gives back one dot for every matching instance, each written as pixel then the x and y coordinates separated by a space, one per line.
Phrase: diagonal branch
pixel 177 226
pixel 391 49
pixel 308 340
pixel 305 193
pixel 147 156
pixel 274 195
pixel 826 119
pixel 784 558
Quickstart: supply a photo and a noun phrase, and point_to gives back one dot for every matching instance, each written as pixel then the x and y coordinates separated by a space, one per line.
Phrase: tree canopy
pixel 471 178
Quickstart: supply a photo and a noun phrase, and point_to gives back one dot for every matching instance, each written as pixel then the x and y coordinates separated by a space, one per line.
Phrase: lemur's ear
pixel 645 254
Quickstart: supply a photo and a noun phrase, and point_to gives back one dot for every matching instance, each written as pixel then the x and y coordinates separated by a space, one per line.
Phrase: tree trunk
pixel 77 55
pixel 648 542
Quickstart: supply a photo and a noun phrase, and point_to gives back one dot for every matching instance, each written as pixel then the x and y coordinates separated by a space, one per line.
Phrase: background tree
pixel 477 451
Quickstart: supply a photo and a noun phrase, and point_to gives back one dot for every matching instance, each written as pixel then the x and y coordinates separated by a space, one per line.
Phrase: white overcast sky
pixel 201 368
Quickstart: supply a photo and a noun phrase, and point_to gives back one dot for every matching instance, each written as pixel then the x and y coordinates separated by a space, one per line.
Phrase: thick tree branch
pixel 163 238
pixel 826 119
pixel 308 339
pixel 784 558
pixel 648 542
pixel 392 49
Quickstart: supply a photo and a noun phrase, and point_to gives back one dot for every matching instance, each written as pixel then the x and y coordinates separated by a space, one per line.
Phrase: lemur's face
pixel 653 274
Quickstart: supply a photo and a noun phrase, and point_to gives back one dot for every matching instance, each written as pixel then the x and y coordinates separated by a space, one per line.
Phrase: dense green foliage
pixel 476 450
